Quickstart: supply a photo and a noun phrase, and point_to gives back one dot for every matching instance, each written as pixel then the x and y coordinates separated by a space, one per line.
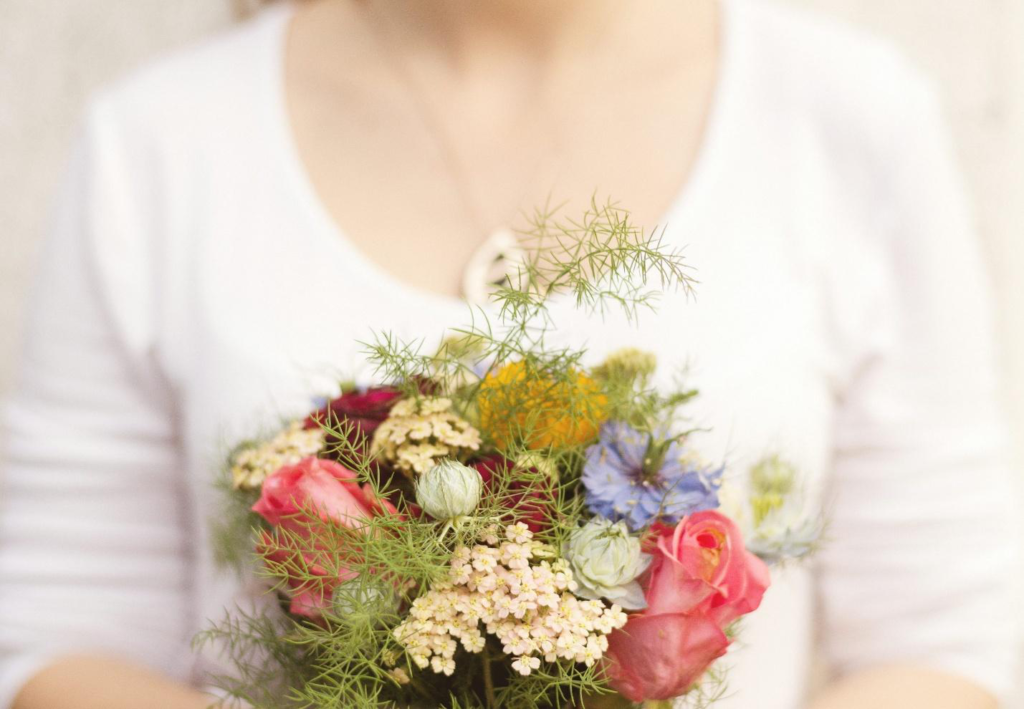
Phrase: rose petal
pixel 671 588
pixel 661 656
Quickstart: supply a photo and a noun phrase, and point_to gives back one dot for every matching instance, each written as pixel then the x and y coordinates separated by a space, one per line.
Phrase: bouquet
pixel 494 523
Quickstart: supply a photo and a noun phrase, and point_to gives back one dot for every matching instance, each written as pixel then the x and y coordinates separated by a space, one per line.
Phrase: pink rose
pixel 702 578
pixel 332 494
pixel 661 656
pixel 702 565
pixel 309 597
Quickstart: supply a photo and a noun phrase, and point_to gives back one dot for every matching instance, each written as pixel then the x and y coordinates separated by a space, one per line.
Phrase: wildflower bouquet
pixel 495 524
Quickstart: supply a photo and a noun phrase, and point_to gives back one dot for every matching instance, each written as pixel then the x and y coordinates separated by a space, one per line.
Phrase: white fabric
pixel 194 289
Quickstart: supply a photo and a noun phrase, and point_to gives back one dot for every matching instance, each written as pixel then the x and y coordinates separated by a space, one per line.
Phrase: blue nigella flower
pixel 630 476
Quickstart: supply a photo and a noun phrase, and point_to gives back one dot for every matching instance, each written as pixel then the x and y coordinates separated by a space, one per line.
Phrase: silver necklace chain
pixel 500 255
pixel 459 175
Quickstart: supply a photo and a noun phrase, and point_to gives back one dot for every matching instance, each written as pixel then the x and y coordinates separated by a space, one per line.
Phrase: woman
pixel 236 217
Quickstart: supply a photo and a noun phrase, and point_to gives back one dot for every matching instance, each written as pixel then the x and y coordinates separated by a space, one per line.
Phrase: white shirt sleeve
pixel 919 561
pixel 93 555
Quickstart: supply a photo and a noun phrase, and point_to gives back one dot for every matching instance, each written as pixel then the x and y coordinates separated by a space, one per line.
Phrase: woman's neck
pixel 467 29
pixel 480 36
pixel 437 121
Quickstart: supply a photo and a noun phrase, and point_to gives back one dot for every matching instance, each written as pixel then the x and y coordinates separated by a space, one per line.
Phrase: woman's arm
pixel 903 687
pixel 99 683
pixel 94 551
pixel 919 565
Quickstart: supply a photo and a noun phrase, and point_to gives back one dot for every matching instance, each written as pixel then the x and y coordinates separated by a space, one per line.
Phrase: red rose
pixel 527 497
pixel 702 578
pixel 358 412
pixel 332 494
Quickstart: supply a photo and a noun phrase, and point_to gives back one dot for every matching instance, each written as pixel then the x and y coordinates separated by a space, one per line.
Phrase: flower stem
pixel 658 704
pixel 488 679
pixel 654 458
pixel 420 689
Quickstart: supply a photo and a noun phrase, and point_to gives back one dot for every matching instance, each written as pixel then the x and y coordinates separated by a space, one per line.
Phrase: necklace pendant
pixel 492 265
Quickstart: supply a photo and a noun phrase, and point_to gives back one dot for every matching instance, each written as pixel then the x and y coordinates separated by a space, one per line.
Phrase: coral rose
pixel 702 578
pixel 702 563
pixel 300 499
pixel 661 656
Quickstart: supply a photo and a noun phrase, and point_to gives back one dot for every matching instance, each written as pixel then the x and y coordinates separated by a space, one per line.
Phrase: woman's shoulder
pixel 831 69
pixel 201 89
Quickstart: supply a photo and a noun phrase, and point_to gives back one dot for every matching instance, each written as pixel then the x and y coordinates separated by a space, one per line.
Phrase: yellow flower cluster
pixel 420 432
pixel 521 598
pixel 252 465
pixel 516 402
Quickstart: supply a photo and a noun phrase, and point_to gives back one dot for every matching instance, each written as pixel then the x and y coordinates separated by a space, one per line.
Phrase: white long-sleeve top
pixel 193 288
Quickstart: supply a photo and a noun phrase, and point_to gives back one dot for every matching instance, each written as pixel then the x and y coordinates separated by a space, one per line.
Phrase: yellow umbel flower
pixel 517 403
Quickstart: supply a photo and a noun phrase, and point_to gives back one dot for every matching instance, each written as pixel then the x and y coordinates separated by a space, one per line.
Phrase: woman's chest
pixel 407 154
pixel 284 321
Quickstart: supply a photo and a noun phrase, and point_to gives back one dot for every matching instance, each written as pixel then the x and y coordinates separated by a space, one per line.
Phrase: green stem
pixel 654 457
pixel 658 704
pixel 488 680
pixel 420 689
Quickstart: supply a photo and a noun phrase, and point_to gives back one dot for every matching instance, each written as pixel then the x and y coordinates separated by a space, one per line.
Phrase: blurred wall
pixel 53 52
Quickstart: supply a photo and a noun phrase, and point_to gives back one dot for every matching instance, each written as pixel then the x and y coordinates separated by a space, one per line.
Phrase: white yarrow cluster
pixel 253 465
pixel 518 596
pixel 420 432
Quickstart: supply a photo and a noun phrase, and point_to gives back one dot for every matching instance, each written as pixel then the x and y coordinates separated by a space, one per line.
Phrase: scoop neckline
pixel 286 160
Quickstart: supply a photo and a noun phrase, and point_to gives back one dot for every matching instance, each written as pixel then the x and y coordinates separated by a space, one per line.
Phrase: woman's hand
pixel 81 682
pixel 903 687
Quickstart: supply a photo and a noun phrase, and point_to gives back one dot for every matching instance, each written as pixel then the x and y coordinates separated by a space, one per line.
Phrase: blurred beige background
pixel 53 52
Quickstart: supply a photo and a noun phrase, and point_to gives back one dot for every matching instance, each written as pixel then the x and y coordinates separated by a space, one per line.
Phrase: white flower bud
pixel 363 595
pixel 449 490
pixel 605 561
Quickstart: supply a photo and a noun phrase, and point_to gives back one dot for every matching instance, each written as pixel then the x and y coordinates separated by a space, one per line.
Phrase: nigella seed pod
pixel 364 597
pixel 773 476
pixel 449 491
